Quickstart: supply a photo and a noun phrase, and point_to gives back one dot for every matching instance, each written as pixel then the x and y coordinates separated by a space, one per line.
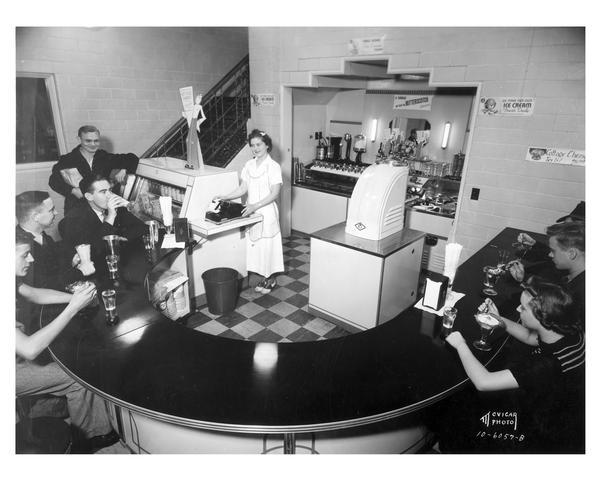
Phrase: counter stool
pixel 41 434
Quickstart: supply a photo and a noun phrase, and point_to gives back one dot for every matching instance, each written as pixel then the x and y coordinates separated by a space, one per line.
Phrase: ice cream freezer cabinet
pixel 366 271
pixel 359 283
pixel 191 192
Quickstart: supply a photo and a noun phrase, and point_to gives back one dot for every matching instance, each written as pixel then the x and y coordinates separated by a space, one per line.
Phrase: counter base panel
pixel 342 322
pixel 142 435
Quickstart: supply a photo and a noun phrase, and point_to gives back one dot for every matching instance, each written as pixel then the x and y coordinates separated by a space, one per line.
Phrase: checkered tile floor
pixel 279 316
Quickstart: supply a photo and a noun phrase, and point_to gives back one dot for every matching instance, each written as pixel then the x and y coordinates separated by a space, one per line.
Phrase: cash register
pixel 223 211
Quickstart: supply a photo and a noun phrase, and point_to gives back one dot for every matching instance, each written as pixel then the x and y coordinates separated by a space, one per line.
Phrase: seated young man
pixel 102 214
pixel 89 417
pixel 566 249
pixel 35 212
pixel 539 250
pixel 548 376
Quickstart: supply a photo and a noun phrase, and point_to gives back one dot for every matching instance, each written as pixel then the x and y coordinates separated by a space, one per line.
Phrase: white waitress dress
pixel 264 251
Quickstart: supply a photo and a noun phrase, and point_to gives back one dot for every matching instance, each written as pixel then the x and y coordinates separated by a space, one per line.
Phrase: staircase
pixel 223 133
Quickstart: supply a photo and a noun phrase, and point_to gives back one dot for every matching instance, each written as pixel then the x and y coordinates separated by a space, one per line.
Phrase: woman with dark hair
pixel 261 180
pixel 546 368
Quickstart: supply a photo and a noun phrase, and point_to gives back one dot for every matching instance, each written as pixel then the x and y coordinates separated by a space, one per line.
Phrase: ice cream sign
pixel 522 106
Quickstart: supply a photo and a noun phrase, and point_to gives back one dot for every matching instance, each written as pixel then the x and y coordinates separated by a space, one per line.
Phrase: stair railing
pixel 223 134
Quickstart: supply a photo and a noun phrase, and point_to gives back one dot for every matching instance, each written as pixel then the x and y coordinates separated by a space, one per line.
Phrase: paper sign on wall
pixel 564 156
pixel 519 106
pixel 366 46
pixel 263 99
pixel 187 98
pixel 412 102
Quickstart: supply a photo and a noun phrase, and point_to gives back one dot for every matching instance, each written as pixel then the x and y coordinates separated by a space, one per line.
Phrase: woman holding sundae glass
pixel 544 369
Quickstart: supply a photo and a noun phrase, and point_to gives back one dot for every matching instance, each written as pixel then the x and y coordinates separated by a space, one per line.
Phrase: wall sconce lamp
pixel 373 134
pixel 446 135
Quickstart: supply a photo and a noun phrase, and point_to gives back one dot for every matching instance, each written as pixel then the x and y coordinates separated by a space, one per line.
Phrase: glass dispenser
pixel 360 146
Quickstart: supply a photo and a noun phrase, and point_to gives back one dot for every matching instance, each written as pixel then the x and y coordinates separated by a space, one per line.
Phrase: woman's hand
pixel 516 270
pixel 455 339
pixel 76 192
pixel 488 306
pixel 250 209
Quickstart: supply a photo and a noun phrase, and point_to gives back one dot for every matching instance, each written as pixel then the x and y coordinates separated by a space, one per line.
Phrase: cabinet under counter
pixel 361 283
pixel 314 210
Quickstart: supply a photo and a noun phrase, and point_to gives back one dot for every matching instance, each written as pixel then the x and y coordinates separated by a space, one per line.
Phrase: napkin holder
pixel 436 287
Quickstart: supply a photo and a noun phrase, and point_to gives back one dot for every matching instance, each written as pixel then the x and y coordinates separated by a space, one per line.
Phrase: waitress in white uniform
pixel 261 180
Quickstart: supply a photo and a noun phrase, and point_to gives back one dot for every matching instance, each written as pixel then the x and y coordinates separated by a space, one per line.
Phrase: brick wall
pixel 126 80
pixel 545 63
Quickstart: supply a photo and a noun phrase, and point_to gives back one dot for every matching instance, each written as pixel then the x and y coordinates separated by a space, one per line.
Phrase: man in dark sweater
pixel 104 213
pixel 566 250
pixel 86 159
pixel 35 212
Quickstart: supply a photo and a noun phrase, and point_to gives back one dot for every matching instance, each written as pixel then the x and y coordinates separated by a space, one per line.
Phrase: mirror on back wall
pixel 379 116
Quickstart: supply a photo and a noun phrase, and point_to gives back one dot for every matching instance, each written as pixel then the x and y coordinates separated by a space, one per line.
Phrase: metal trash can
pixel 221 286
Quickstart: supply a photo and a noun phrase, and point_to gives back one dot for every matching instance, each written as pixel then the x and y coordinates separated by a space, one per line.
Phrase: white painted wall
pixel 547 63
pixel 307 120
pixel 124 80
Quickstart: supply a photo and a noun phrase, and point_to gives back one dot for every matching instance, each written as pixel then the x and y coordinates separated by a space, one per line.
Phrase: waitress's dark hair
pixel 256 133
pixel 553 306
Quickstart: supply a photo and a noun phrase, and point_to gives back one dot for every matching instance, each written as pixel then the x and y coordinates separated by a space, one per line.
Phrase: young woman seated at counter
pixel 545 368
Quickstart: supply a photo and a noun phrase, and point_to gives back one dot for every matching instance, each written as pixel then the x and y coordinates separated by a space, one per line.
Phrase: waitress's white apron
pixel 264 252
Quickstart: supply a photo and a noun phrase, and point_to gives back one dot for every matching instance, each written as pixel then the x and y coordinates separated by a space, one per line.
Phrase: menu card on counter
pixel 451 298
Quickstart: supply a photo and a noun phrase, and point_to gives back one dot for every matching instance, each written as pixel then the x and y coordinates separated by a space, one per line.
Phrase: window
pixel 38 138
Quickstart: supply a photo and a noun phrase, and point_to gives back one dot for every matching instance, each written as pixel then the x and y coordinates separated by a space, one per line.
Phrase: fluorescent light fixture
pixel 446 135
pixel 373 129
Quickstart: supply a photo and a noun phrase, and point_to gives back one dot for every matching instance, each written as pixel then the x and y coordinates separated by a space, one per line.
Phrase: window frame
pixel 52 91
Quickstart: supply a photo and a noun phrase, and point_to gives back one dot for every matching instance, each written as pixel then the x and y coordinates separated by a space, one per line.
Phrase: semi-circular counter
pixel 172 389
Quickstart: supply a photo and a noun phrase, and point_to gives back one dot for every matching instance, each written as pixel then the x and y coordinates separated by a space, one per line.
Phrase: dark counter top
pixel 429 212
pixel 332 189
pixel 169 372
pixel 381 248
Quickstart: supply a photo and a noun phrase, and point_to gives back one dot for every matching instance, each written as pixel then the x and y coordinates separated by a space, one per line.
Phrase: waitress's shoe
pixel 259 288
pixel 269 285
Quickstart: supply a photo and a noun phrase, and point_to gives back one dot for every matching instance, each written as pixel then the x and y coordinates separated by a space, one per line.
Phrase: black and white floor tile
pixel 279 316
